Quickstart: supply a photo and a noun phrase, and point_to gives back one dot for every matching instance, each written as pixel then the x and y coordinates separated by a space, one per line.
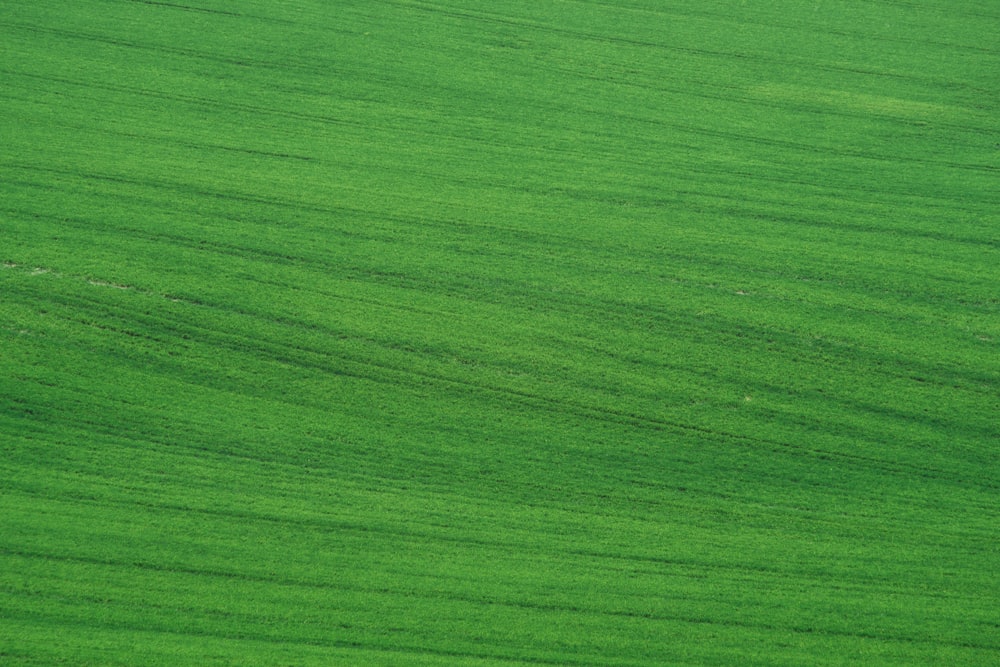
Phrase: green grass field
pixel 535 332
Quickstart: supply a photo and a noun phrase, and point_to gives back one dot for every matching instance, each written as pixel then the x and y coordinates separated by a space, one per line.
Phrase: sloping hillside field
pixel 532 332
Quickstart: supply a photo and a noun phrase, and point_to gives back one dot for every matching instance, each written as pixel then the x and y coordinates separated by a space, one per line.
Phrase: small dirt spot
pixel 102 283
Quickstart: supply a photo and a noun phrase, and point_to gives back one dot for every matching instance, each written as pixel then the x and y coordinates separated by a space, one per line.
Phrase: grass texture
pixel 535 332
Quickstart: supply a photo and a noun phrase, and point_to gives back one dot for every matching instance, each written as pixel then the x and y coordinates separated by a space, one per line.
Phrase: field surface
pixel 532 332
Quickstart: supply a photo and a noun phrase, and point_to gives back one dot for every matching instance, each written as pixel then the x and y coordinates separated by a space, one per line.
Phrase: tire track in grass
pixel 816 29
pixel 696 176
pixel 624 117
pixel 521 604
pixel 682 568
pixel 391 373
pixel 690 129
pixel 112 427
pixel 658 496
pixel 111 433
pixel 203 102
pixel 202 10
pixel 361 368
pixel 244 637
pixel 191 8
pixel 299 207
pixel 184 508
pixel 731 56
pixel 16 27
pixel 149 139
pixel 878 157
pixel 377 342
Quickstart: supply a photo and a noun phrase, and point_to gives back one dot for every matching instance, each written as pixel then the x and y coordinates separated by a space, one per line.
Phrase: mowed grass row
pixel 433 333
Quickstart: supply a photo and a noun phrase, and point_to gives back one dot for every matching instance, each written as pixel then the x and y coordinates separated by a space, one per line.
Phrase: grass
pixel 438 332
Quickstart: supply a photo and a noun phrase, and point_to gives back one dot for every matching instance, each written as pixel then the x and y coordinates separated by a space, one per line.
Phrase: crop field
pixel 533 332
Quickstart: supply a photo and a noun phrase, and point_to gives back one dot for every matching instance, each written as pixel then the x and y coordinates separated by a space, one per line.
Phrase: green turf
pixel 529 332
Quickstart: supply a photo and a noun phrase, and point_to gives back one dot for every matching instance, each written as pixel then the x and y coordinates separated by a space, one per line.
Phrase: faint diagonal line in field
pixel 361 367
pixel 453 596
pixel 816 29
pixel 235 60
pixel 175 141
pixel 696 130
pixel 271 638
pixel 188 8
pixel 619 39
pixel 567 303
pixel 199 101
pixel 733 208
